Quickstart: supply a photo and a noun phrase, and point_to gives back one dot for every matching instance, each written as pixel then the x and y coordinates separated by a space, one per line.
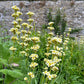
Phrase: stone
pixel 74 14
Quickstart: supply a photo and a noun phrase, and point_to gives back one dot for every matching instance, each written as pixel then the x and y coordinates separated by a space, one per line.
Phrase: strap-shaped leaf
pixel 3 61
pixel 1 79
pixel 12 73
pixel 4 52
pixel 4 71
pixel 42 80
pixel 15 73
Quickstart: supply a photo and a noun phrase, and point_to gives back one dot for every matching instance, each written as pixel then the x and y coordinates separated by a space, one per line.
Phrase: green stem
pixel 30 81
pixel 46 80
pixel 34 28
pixel 26 61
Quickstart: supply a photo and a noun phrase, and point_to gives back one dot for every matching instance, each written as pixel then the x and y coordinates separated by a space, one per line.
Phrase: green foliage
pixel 1 79
pixel 3 61
pixel 75 30
pixel 19 82
pixel 4 52
pixel 72 66
pixel 44 26
pixel 49 15
pixel 9 79
pixel 11 75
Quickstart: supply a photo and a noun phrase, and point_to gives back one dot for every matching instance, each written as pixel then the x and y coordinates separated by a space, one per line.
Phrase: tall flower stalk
pixel 14 30
pixel 28 41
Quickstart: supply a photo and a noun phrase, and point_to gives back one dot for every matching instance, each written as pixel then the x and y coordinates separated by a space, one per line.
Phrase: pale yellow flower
pixel 51 34
pixel 50 42
pixel 15 15
pixel 35 47
pixel 19 13
pixel 19 20
pixel 27 49
pixel 38 32
pixel 51 28
pixel 70 29
pixel 45 59
pixel 26 54
pixel 46 73
pixel 66 41
pixel 59 40
pixel 54 75
pixel 23 44
pixel 56 39
pixel 18 33
pixel 30 14
pixel 54 68
pixel 29 32
pixel 15 8
pixel 14 30
pixel 35 39
pixel 24 24
pixel 23 31
pixel 55 52
pixel 29 26
pixel 47 54
pixel 14 23
pixel 22 37
pixel 50 23
pixel 26 36
pixel 33 56
pixel 45 83
pixel 30 20
pixel 46 68
pixel 56 60
pixel 33 64
pixel 25 78
pixel 48 45
pixel 68 34
pixel 50 63
pixel 14 38
pixel 31 74
pixel 27 39
pixel 23 52
pixel 49 77
pixel 12 48
pixel 18 26
pixel 49 38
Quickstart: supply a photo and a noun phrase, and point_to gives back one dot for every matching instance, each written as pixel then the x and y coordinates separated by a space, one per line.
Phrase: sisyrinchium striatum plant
pixel 35 57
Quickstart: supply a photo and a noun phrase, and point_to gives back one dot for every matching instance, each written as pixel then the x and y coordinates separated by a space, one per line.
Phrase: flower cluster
pixel 15 29
pixel 31 74
pixel 12 48
pixel 53 54
pixel 33 56
pixel 27 42
pixel 33 64
pixel 35 47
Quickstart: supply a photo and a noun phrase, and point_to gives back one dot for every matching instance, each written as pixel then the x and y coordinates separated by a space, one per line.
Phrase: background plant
pixel 59 20
pixel 71 67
